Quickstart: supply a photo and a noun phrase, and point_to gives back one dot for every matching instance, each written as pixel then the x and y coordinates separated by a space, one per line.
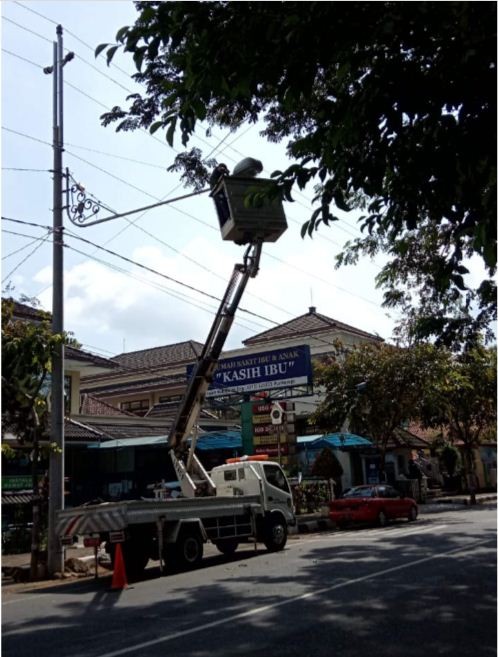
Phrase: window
pixel 360 491
pixel 242 473
pixel 230 475
pixel 276 477
pixel 173 398
pixel 138 406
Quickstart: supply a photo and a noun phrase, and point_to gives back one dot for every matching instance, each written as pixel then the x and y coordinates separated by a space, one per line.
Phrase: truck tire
pixel 227 545
pixel 275 535
pixel 186 553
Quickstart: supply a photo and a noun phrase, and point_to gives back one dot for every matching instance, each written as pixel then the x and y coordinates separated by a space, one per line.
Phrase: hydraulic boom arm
pixel 191 406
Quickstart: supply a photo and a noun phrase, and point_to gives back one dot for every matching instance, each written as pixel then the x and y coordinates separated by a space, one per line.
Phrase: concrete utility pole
pixel 56 463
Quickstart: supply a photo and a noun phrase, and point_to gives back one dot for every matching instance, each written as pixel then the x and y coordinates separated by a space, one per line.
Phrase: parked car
pixel 372 504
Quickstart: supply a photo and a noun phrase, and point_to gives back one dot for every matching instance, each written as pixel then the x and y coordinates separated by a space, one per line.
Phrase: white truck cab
pixel 255 476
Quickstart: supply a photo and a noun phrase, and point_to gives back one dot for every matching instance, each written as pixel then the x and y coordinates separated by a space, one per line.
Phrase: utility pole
pixel 56 460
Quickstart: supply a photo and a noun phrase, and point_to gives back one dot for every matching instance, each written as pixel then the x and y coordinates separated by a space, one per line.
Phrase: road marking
pixel 304 596
pixel 374 534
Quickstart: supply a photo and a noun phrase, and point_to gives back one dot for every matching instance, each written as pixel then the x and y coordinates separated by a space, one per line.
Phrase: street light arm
pixel 80 207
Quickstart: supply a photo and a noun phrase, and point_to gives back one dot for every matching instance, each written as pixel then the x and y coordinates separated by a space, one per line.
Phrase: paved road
pixel 412 589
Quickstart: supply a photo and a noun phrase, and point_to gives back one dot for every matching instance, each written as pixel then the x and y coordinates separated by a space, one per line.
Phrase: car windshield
pixel 360 491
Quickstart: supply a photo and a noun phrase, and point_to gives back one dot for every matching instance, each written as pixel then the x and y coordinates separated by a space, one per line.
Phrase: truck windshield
pixel 276 477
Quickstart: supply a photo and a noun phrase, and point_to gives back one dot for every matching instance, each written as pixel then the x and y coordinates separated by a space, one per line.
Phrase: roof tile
pixel 305 325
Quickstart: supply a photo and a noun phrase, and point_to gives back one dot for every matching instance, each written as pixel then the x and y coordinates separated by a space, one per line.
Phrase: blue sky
pixel 112 305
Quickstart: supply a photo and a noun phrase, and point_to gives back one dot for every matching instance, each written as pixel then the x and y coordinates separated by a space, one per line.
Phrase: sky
pixel 113 305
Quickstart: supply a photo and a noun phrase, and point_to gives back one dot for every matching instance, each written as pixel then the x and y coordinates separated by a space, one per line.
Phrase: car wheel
pixel 382 519
pixel 413 514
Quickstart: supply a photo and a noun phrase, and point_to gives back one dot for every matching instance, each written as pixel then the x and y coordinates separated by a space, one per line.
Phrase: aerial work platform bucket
pixel 242 221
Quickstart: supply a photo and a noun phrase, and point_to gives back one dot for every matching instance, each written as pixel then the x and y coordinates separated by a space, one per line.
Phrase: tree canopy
pixel 374 388
pixel 27 349
pixel 379 388
pixel 386 107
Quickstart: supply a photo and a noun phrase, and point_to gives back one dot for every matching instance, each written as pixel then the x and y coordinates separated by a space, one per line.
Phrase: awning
pixel 130 442
pixel 334 440
pixel 219 440
pixel 205 442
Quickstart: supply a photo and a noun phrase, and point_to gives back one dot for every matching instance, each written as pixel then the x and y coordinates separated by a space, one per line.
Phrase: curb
pixel 310 526
pixel 465 501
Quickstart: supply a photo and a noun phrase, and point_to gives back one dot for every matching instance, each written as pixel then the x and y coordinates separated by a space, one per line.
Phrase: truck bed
pixel 116 516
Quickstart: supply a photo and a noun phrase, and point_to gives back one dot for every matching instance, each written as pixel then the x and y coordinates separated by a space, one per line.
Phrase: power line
pixel 156 198
pixel 176 295
pixel 119 157
pixel 181 297
pixel 23 134
pixel 27 257
pixel 170 278
pixel 20 169
pixel 298 192
pixel 181 211
pixel 11 232
pixel 26 29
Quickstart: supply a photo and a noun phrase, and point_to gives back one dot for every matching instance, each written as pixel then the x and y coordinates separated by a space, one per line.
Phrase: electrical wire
pixel 38 246
pixel 143 191
pixel 23 248
pixel 185 213
pixel 184 298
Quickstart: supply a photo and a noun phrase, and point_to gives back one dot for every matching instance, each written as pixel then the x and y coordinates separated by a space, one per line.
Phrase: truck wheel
pixel 189 549
pixel 275 536
pixel 227 545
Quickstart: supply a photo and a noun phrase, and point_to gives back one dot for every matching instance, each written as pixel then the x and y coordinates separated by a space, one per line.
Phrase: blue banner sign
pixel 269 370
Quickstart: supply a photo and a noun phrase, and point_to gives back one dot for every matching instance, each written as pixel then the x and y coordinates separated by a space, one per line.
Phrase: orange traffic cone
pixel 119 580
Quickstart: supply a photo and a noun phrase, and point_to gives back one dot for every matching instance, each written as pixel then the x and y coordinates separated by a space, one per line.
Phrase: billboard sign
pixel 268 370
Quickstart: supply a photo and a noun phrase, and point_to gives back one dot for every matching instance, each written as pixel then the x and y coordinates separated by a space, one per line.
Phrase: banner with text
pixel 269 370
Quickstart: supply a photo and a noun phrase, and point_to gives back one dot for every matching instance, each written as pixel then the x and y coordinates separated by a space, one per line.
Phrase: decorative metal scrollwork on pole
pixel 80 206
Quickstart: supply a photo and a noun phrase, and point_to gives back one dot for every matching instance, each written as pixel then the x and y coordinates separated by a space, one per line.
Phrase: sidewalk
pixel 14 565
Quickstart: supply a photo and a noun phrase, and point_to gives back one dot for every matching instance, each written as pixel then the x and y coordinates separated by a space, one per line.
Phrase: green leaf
pixel 122 33
pixel 155 126
pixel 100 48
pixel 171 132
pixel 110 54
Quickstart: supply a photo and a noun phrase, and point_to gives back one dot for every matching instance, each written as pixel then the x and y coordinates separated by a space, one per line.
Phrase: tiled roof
pixel 404 438
pixel 312 323
pixel 182 352
pixel 109 388
pixel 28 313
pixel 428 435
pixel 77 431
pixel 135 430
pixel 93 406
pixel 73 353
pixel 95 431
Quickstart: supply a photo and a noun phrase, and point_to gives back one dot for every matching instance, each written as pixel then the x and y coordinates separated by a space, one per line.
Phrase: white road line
pixel 304 596
pixel 375 534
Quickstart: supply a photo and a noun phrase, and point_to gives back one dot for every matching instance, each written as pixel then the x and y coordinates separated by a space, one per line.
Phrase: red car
pixel 372 504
